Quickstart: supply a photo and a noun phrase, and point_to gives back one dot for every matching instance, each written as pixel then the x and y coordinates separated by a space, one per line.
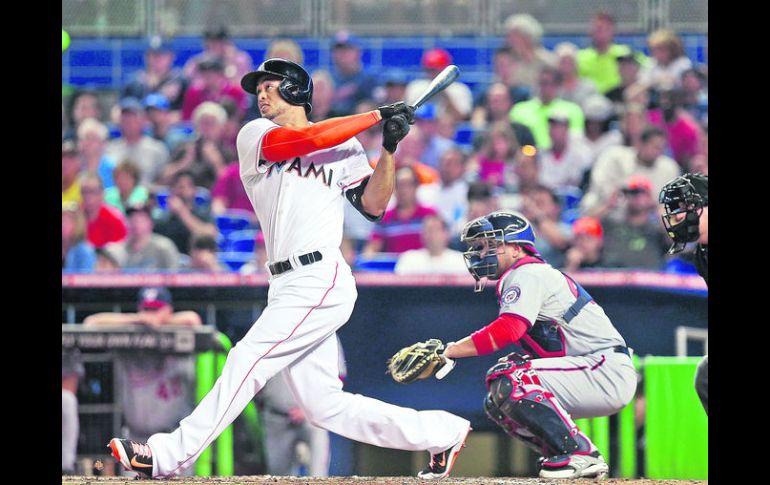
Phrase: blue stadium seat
pixel 162 198
pixel 679 266
pixel 233 220
pixel 383 262
pixel 234 260
pixel 202 197
pixel 464 134
pixel 243 241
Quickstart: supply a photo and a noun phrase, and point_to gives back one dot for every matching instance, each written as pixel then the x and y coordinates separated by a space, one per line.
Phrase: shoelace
pixel 141 449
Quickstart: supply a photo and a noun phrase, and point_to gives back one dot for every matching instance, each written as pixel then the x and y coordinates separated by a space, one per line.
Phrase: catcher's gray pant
pixel 70 428
pixel 296 331
pixel 702 382
pixel 281 440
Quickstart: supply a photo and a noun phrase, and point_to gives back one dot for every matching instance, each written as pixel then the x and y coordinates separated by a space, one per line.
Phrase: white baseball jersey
pixel 299 202
pixel 543 295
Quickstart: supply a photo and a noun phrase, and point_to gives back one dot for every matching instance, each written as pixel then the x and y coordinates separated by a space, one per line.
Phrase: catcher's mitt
pixel 419 361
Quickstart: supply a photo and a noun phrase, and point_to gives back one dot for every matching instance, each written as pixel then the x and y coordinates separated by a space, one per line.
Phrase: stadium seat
pixel 234 260
pixel 383 262
pixel 202 197
pixel 233 220
pixel 242 241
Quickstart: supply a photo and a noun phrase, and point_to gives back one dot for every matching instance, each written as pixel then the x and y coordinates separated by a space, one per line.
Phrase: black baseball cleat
pixel 441 463
pixel 574 466
pixel 133 455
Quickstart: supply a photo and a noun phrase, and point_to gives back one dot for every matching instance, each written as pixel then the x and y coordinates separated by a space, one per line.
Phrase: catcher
pixel 568 360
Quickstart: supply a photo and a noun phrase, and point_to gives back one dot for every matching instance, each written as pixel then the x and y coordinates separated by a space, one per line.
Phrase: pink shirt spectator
pixel 197 95
pixel 683 134
pixel 399 235
pixel 230 188
pixel 492 171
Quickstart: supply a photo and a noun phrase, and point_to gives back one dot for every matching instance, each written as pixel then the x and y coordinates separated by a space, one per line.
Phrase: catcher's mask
pixel 296 85
pixel 683 200
pixel 485 234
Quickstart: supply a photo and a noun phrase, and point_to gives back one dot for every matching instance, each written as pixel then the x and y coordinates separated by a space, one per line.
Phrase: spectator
pixel 496 109
pixel 228 193
pixel 573 87
pixel 629 70
pixel 534 112
pixel 481 201
pixel 371 139
pixel 157 390
pixel 77 254
pixel 434 257
pixel 92 141
pixel 639 240
pixel 233 124
pixel 72 371
pixel 127 190
pixel 158 77
pixel 183 219
pixel 83 104
pixel 205 156
pixel 599 132
pixel 633 121
pixel 217 43
pixel 394 83
pixel 399 229
pixel 143 250
pixel 613 168
pixel 565 162
pixel 203 255
pixel 352 83
pixel 149 154
pixel 107 259
pixel 409 154
pixel 214 86
pixel 323 96
pixel 450 196
pixel 495 154
pixel 541 206
pixel 524 36
pixel 163 126
pixel 456 101
pixel 599 63
pixel 668 60
pixel 587 245
pixel 526 171
pixel 700 162
pixel 285 49
pixel 71 164
pixel 695 95
pixel 105 224
pixel 504 72
pixel 682 130
pixel 426 119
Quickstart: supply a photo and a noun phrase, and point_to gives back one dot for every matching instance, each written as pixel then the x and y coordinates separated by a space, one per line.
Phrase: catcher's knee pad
pixel 517 400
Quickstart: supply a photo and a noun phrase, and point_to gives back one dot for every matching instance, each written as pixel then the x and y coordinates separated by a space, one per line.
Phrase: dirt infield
pixel 354 480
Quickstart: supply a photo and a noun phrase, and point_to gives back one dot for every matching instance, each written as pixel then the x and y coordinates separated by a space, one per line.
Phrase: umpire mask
pixel 683 200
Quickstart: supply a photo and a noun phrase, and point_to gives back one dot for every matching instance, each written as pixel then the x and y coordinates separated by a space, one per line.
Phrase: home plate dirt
pixel 355 480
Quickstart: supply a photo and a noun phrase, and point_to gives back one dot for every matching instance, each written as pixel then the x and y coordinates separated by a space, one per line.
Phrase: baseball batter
pixel 569 361
pixel 297 175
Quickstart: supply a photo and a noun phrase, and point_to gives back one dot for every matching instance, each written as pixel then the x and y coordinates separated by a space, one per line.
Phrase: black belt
pixel 622 350
pixel 304 260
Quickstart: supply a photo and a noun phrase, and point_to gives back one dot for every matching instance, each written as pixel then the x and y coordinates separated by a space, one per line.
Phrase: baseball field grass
pixel 356 480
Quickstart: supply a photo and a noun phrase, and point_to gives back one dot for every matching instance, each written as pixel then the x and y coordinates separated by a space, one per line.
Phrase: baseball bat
pixel 438 84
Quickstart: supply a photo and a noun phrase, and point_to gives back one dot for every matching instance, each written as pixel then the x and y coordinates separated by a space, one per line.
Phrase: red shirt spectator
pixel 214 87
pixel 228 192
pixel 107 227
pixel 398 233
pixel 105 223
pixel 683 134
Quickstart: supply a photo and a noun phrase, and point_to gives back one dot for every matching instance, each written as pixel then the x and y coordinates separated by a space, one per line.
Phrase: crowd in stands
pixel 580 139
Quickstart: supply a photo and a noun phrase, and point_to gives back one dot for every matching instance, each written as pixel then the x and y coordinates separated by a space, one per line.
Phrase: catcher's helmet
pixel 686 195
pixel 484 234
pixel 296 86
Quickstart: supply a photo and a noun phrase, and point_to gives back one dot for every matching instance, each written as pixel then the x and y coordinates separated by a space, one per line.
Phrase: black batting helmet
pixel 296 86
